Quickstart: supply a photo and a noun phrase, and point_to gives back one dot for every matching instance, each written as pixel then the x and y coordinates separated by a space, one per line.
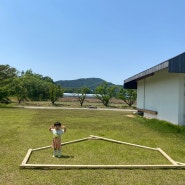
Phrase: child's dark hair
pixel 57 124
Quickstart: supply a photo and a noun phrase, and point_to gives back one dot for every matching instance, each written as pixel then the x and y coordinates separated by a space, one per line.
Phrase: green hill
pixel 91 83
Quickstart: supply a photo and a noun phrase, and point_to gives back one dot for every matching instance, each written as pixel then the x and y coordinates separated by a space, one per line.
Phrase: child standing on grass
pixel 57 129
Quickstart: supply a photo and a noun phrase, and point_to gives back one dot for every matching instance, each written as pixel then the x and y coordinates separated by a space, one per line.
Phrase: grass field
pixel 22 129
pixel 72 102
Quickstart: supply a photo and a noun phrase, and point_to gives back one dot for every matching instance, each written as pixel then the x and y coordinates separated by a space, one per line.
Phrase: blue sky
pixel 108 39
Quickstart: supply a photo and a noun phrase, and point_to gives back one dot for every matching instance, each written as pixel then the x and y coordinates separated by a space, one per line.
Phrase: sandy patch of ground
pixel 130 116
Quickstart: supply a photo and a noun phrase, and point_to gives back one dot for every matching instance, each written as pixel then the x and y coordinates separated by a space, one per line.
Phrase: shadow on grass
pixel 65 157
pixel 163 126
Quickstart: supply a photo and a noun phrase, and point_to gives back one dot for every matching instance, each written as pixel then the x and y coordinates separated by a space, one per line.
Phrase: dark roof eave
pixel 174 65
pixel 131 83
pixel 147 72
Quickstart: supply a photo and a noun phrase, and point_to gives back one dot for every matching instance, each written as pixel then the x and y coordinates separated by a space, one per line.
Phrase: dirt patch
pixel 130 116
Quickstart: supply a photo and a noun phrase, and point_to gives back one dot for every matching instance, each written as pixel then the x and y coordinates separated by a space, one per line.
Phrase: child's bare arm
pixel 51 127
pixel 64 128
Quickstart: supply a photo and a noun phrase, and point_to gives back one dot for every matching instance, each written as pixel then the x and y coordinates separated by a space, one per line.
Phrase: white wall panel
pixel 164 93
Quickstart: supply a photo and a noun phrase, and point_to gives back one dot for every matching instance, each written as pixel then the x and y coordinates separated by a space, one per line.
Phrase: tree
pixel 4 93
pixel 19 89
pixel 7 74
pixel 37 86
pixel 129 96
pixel 81 95
pixel 105 92
pixel 55 92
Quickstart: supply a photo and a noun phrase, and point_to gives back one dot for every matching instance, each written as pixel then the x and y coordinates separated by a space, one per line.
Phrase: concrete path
pixel 111 109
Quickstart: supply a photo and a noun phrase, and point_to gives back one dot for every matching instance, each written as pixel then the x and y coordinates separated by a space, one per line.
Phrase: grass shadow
pixel 65 156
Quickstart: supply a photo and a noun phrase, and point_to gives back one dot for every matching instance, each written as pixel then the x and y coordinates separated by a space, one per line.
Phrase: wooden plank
pixel 75 141
pixel 62 144
pixel 167 156
pixel 148 111
pixel 179 163
pixel 25 160
pixel 121 142
pixel 52 166
pixel 41 148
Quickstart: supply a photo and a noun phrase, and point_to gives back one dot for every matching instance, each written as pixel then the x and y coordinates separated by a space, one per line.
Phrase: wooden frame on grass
pixel 173 165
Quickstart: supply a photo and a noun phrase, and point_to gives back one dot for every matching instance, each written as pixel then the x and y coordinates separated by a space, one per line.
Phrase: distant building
pixel 161 90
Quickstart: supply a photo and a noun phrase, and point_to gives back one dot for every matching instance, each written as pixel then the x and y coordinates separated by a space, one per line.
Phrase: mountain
pixel 91 83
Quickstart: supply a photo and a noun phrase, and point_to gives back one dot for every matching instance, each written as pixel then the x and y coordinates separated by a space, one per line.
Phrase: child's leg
pixel 55 153
pixel 59 152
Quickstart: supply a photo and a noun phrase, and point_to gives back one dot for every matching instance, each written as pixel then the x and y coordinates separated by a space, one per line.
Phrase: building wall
pixel 164 93
pixel 182 99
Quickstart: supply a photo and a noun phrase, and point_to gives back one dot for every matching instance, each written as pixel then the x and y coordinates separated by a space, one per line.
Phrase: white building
pixel 161 90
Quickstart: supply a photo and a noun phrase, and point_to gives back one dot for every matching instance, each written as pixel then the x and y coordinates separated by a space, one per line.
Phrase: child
pixel 57 131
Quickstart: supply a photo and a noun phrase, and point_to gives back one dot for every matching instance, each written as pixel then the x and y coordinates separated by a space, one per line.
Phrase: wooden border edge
pixel 149 167
pixel 26 158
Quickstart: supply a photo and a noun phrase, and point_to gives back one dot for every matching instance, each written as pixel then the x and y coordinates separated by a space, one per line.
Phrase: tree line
pixel 29 86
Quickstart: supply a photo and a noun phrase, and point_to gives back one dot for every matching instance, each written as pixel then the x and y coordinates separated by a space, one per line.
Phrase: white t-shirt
pixel 57 133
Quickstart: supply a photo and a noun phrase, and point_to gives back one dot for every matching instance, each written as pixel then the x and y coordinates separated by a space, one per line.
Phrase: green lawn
pixel 22 129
